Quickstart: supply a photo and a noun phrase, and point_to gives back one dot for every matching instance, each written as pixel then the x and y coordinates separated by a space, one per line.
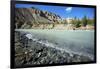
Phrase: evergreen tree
pixel 84 21
pixel 90 22
pixel 74 21
pixel 78 23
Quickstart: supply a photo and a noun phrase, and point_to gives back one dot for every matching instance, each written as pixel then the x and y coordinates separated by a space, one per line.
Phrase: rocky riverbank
pixel 33 53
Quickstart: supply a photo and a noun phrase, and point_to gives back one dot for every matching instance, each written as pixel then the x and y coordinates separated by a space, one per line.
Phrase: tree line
pixel 76 22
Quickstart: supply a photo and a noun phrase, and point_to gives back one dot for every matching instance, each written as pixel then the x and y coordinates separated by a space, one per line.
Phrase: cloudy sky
pixel 63 11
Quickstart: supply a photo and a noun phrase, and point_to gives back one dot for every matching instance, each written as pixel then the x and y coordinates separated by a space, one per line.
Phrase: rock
pixel 27 18
pixel 37 54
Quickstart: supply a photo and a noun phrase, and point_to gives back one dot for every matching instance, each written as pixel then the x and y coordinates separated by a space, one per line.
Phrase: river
pixel 72 41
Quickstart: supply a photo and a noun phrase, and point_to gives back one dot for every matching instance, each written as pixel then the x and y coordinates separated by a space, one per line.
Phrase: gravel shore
pixel 34 53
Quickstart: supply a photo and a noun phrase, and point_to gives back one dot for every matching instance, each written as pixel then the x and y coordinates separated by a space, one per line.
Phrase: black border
pixel 12 13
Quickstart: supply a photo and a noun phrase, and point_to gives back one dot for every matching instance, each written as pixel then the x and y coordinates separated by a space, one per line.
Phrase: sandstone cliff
pixel 28 18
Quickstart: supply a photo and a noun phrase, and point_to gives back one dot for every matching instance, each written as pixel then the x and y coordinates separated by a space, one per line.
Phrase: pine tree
pixel 84 21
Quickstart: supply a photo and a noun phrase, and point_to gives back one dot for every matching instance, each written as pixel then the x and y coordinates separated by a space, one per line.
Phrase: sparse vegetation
pixel 83 22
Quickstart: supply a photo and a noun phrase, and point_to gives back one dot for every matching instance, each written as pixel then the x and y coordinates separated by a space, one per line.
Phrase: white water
pixel 80 42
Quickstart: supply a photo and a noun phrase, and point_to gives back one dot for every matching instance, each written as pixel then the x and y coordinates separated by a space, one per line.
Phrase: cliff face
pixel 34 18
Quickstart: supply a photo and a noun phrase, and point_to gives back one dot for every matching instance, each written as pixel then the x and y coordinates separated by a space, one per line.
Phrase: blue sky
pixel 63 11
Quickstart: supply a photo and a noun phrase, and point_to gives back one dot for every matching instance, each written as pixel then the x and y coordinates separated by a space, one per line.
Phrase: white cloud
pixel 69 9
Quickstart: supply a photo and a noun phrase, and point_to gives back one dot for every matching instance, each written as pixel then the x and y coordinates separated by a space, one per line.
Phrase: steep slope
pixel 34 18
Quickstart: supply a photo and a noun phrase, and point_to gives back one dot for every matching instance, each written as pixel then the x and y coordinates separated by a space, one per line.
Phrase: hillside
pixel 34 18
